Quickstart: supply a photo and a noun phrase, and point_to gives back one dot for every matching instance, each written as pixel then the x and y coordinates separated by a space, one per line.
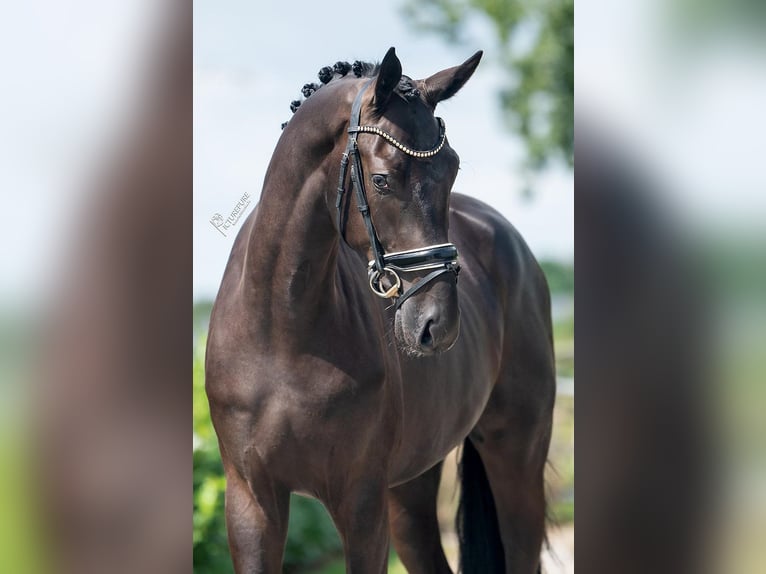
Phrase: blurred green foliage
pixel 563 338
pixel 211 553
pixel 311 536
pixel 560 276
pixel 22 542
pixel 559 476
pixel 706 21
pixel 534 43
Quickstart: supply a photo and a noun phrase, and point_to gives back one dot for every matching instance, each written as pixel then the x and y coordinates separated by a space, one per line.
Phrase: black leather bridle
pixel 440 259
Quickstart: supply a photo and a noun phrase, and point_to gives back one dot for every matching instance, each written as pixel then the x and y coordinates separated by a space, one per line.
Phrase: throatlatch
pixel 440 258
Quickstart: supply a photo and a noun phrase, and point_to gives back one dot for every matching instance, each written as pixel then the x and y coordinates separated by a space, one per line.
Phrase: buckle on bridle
pixel 377 288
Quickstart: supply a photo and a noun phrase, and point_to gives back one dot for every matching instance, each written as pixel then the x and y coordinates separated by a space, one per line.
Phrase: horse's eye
pixel 380 182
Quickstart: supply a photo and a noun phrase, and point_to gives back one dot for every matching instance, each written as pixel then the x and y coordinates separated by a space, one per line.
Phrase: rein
pixel 440 258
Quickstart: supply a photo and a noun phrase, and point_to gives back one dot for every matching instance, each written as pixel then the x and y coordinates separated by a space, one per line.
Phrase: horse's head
pixel 408 169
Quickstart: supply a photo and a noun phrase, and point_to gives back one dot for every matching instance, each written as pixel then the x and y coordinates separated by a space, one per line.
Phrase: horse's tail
pixel 481 548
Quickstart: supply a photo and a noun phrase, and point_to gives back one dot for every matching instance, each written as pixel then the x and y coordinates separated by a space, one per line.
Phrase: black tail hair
pixel 481 548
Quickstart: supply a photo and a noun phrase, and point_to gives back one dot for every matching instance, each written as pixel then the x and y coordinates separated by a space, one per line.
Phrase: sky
pixel 250 61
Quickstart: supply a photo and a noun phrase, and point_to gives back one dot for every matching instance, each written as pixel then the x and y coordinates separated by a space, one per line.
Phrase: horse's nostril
pixel 427 339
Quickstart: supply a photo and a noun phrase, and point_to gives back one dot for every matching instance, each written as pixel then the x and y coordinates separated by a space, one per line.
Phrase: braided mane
pixel 327 74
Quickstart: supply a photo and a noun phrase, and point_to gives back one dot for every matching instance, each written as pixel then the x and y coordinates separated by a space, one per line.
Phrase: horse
pixel 345 360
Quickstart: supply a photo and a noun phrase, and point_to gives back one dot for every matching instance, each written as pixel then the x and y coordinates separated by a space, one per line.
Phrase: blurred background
pixel 95 270
pixel 671 244
pixel 95 180
pixel 512 126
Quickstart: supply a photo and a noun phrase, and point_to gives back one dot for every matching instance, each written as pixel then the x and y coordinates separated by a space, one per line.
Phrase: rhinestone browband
pixel 400 146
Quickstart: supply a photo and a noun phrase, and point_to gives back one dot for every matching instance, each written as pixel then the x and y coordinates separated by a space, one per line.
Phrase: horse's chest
pixel 313 421
pixel 314 396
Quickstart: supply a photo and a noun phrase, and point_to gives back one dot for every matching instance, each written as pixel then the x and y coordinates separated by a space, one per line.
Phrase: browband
pixel 400 146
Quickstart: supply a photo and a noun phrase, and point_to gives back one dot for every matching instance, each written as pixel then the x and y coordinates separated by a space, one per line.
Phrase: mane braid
pixel 338 70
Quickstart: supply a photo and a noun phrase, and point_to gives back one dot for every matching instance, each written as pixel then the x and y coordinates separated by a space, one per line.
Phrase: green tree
pixel 534 44
pixel 560 276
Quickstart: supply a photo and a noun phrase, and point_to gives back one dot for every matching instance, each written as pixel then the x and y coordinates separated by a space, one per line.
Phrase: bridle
pixel 440 259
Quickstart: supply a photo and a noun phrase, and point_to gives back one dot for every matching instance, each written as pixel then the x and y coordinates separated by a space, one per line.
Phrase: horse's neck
pixel 292 251
pixel 293 246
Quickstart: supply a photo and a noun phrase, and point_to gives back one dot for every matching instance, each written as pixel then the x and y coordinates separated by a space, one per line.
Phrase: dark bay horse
pixel 345 361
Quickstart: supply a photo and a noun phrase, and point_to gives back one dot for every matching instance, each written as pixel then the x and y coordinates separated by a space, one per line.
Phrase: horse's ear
pixel 389 74
pixel 445 84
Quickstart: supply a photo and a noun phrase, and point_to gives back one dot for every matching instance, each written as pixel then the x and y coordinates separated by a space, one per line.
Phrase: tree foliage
pixel 534 44
pixel 560 276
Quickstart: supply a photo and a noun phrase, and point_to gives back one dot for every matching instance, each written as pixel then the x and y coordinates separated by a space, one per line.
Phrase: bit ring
pixel 393 291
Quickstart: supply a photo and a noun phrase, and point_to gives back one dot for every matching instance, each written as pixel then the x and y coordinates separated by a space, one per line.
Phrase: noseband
pixel 440 259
